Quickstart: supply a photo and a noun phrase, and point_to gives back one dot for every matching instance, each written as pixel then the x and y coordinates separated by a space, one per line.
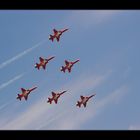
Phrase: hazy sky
pixel 108 46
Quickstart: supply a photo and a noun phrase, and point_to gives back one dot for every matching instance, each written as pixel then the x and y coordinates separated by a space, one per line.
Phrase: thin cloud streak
pixel 4 64
pixel 86 19
pixel 10 81
pixel 4 105
pixel 24 118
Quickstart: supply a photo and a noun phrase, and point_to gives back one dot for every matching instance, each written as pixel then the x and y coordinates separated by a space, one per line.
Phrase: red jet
pixel 84 100
pixel 57 34
pixel 68 66
pixel 55 97
pixel 43 62
pixel 25 93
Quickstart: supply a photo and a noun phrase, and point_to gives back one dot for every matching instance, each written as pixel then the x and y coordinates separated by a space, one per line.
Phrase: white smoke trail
pixel 20 55
pixel 4 105
pixel 10 81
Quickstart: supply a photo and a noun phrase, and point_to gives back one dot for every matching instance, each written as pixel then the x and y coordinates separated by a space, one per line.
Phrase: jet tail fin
pixel 49 100
pixel 78 104
pixel 63 68
pixel 51 38
pixel 37 66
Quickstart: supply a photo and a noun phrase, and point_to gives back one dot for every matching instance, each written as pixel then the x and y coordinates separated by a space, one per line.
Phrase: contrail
pixel 4 105
pixel 20 55
pixel 10 81
pixel 50 120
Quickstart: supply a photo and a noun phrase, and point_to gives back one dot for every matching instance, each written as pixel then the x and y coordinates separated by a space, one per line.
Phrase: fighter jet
pixel 84 100
pixel 68 66
pixel 25 93
pixel 57 34
pixel 55 97
pixel 43 62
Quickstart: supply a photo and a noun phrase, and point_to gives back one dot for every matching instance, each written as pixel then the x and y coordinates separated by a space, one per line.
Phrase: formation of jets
pixel 68 66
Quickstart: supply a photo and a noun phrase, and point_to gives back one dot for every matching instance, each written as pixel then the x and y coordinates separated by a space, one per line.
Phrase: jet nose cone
pixel 34 88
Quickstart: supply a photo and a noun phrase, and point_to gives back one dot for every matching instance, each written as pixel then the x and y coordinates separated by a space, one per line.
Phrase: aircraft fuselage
pixel 84 100
pixel 56 97
pixel 69 65
pixel 44 62
pixel 25 93
pixel 58 34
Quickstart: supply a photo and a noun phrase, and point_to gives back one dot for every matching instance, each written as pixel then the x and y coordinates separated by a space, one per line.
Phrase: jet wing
pixel 82 97
pixel 26 97
pixel 41 59
pixel 66 62
pixel 23 90
pixel 53 94
pixel 44 66
pixel 58 38
pixel 55 31
pixel 84 104
pixel 69 69
pixel 56 101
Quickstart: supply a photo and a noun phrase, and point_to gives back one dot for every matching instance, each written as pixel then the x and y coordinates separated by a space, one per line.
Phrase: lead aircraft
pixel 57 34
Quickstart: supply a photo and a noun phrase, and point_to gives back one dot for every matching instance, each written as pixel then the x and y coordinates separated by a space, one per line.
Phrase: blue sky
pixel 107 44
